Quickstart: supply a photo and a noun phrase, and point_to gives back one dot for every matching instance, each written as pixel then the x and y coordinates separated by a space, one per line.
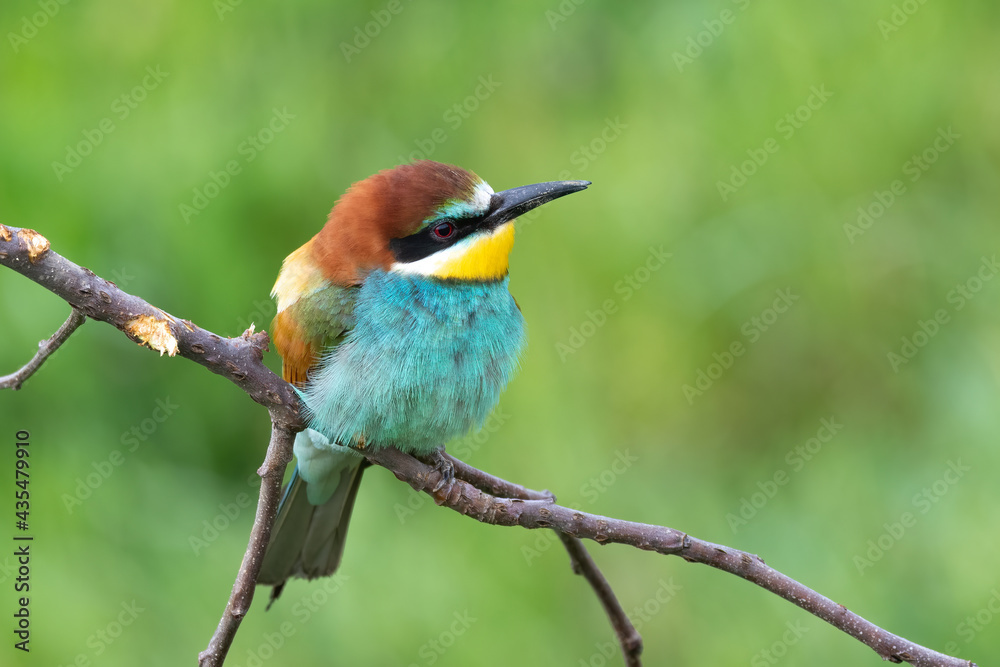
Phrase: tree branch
pixel 237 359
pixel 45 350
pixel 240 360
pixel 583 564
pixel 279 453
pixel 628 637
pixel 465 499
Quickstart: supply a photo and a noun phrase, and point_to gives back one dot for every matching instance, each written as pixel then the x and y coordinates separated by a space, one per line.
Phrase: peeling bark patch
pixel 153 333
pixel 37 244
pixel 4 233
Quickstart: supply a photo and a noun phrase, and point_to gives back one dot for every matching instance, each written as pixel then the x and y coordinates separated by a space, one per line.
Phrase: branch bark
pixel 464 498
pixel 45 349
pixel 237 359
pixel 240 360
pixel 279 453
pixel 583 564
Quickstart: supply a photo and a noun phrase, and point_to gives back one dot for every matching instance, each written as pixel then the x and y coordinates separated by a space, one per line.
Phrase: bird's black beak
pixel 509 204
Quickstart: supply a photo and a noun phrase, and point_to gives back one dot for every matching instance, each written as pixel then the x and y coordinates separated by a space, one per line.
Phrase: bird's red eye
pixel 443 230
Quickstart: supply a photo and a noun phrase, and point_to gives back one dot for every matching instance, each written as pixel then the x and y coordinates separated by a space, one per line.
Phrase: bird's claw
pixel 442 465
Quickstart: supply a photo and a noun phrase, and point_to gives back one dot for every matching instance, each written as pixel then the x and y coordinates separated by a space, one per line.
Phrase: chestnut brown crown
pixel 392 204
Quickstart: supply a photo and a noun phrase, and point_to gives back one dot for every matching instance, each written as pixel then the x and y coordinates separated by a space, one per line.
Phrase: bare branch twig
pixel 45 350
pixel 240 360
pixel 481 506
pixel 628 637
pixel 237 359
pixel 279 453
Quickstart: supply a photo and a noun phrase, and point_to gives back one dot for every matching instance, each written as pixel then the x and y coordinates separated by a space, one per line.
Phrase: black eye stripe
pixel 425 242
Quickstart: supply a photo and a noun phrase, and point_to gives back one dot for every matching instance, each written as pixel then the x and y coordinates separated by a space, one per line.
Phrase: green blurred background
pixel 656 103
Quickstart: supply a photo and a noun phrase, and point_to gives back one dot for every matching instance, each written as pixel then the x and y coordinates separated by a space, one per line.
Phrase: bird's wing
pixel 313 316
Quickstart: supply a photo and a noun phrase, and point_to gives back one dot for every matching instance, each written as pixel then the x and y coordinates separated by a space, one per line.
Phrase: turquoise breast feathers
pixel 425 362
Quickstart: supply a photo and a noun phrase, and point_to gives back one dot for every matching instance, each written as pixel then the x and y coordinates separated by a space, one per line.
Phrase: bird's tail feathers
pixel 307 540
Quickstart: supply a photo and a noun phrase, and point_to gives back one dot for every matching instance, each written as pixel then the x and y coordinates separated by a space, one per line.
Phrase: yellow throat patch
pixel 486 258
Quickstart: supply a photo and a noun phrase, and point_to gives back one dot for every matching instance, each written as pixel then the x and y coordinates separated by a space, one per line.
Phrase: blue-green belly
pixel 425 362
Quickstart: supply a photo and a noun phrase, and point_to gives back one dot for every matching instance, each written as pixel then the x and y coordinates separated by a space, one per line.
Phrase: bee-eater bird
pixel 396 326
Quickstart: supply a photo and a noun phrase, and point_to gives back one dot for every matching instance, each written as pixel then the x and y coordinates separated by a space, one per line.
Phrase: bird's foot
pixel 442 465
